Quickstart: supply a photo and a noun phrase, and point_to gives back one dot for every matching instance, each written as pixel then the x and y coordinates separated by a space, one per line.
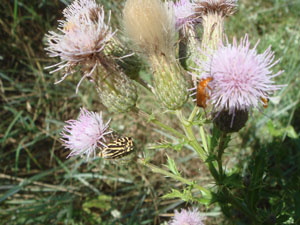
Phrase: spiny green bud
pixel 212 15
pixel 129 63
pixel 183 50
pixel 193 46
pixel 213 31
pixel 212 36
pixel 118 93
pixel 170 85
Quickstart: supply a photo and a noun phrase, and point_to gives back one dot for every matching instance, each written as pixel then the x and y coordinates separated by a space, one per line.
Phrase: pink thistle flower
pixel 241 78
pixel 222 7
pixel 187 217
pixel 81 38
pixel 84 135
pixel 184 13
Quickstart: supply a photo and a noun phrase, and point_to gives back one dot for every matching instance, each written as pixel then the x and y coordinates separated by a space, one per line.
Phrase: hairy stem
pixel 203 138
pixel 221 149
pixel 188 129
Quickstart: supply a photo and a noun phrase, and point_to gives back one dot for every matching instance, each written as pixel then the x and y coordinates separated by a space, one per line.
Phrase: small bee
pixel 265 102
pixel 202 94
pixel 118 148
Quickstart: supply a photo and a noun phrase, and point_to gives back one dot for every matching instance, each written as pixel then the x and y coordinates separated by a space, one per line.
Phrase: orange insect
pixel 265 102
pixel 202 94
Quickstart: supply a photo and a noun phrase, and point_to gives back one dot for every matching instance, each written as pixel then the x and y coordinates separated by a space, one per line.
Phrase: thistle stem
pixel 193 114
pixel 203 137
pixel 188 129
pixel 220 153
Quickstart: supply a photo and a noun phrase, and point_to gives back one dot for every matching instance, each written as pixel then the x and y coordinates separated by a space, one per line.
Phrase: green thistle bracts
pixel 193 46
pixel 118 93
pixel 128 63
pixel 170 85
pixel 212 37
pixel 213 31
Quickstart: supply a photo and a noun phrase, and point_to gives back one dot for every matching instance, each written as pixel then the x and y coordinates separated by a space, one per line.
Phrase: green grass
pixel 38 185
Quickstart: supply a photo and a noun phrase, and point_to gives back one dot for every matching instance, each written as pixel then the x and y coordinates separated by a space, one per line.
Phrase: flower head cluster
pixel 81 38
pixel 84 135
pixel 187 217
pixel 222 7
pixel 240 77
pixel 184 13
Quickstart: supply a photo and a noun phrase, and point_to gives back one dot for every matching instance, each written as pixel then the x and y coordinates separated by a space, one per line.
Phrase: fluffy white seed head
pixel 150 24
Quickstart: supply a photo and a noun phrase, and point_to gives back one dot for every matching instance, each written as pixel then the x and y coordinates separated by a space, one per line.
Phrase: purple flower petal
pixel 187 217
pixel 242 78
pixel 84 135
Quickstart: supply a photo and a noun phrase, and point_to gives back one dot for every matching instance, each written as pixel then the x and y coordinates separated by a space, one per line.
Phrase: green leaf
pixel 102 203
pixel 172 166
pixel 178 147
pixel 186 195
pixel 282 219
pixel 151 118
pixel 213 171
pixel 94 207
pixel 233 180
pixel 204 201
pixel 279 132
pixel 291 133
pixel 161 146
pixel 216 134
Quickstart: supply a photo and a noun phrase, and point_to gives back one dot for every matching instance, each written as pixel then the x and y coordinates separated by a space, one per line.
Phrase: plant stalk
pixel 221 149
pixel 188 129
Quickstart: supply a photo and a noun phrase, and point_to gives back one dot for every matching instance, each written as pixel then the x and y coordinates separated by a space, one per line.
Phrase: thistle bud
pixel 229 123
pixel 186 19
pixel 127 61
pixel 193 44
pixel 213 31
pixel 170 85
pixel 150 24
pixel 213 13
pixel 118 93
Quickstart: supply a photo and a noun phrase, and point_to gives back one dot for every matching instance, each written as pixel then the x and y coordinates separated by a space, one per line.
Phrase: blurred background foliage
pixel 38 185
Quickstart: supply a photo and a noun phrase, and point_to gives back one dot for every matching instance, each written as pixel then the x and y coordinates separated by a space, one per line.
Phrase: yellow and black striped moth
pixel 118 148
